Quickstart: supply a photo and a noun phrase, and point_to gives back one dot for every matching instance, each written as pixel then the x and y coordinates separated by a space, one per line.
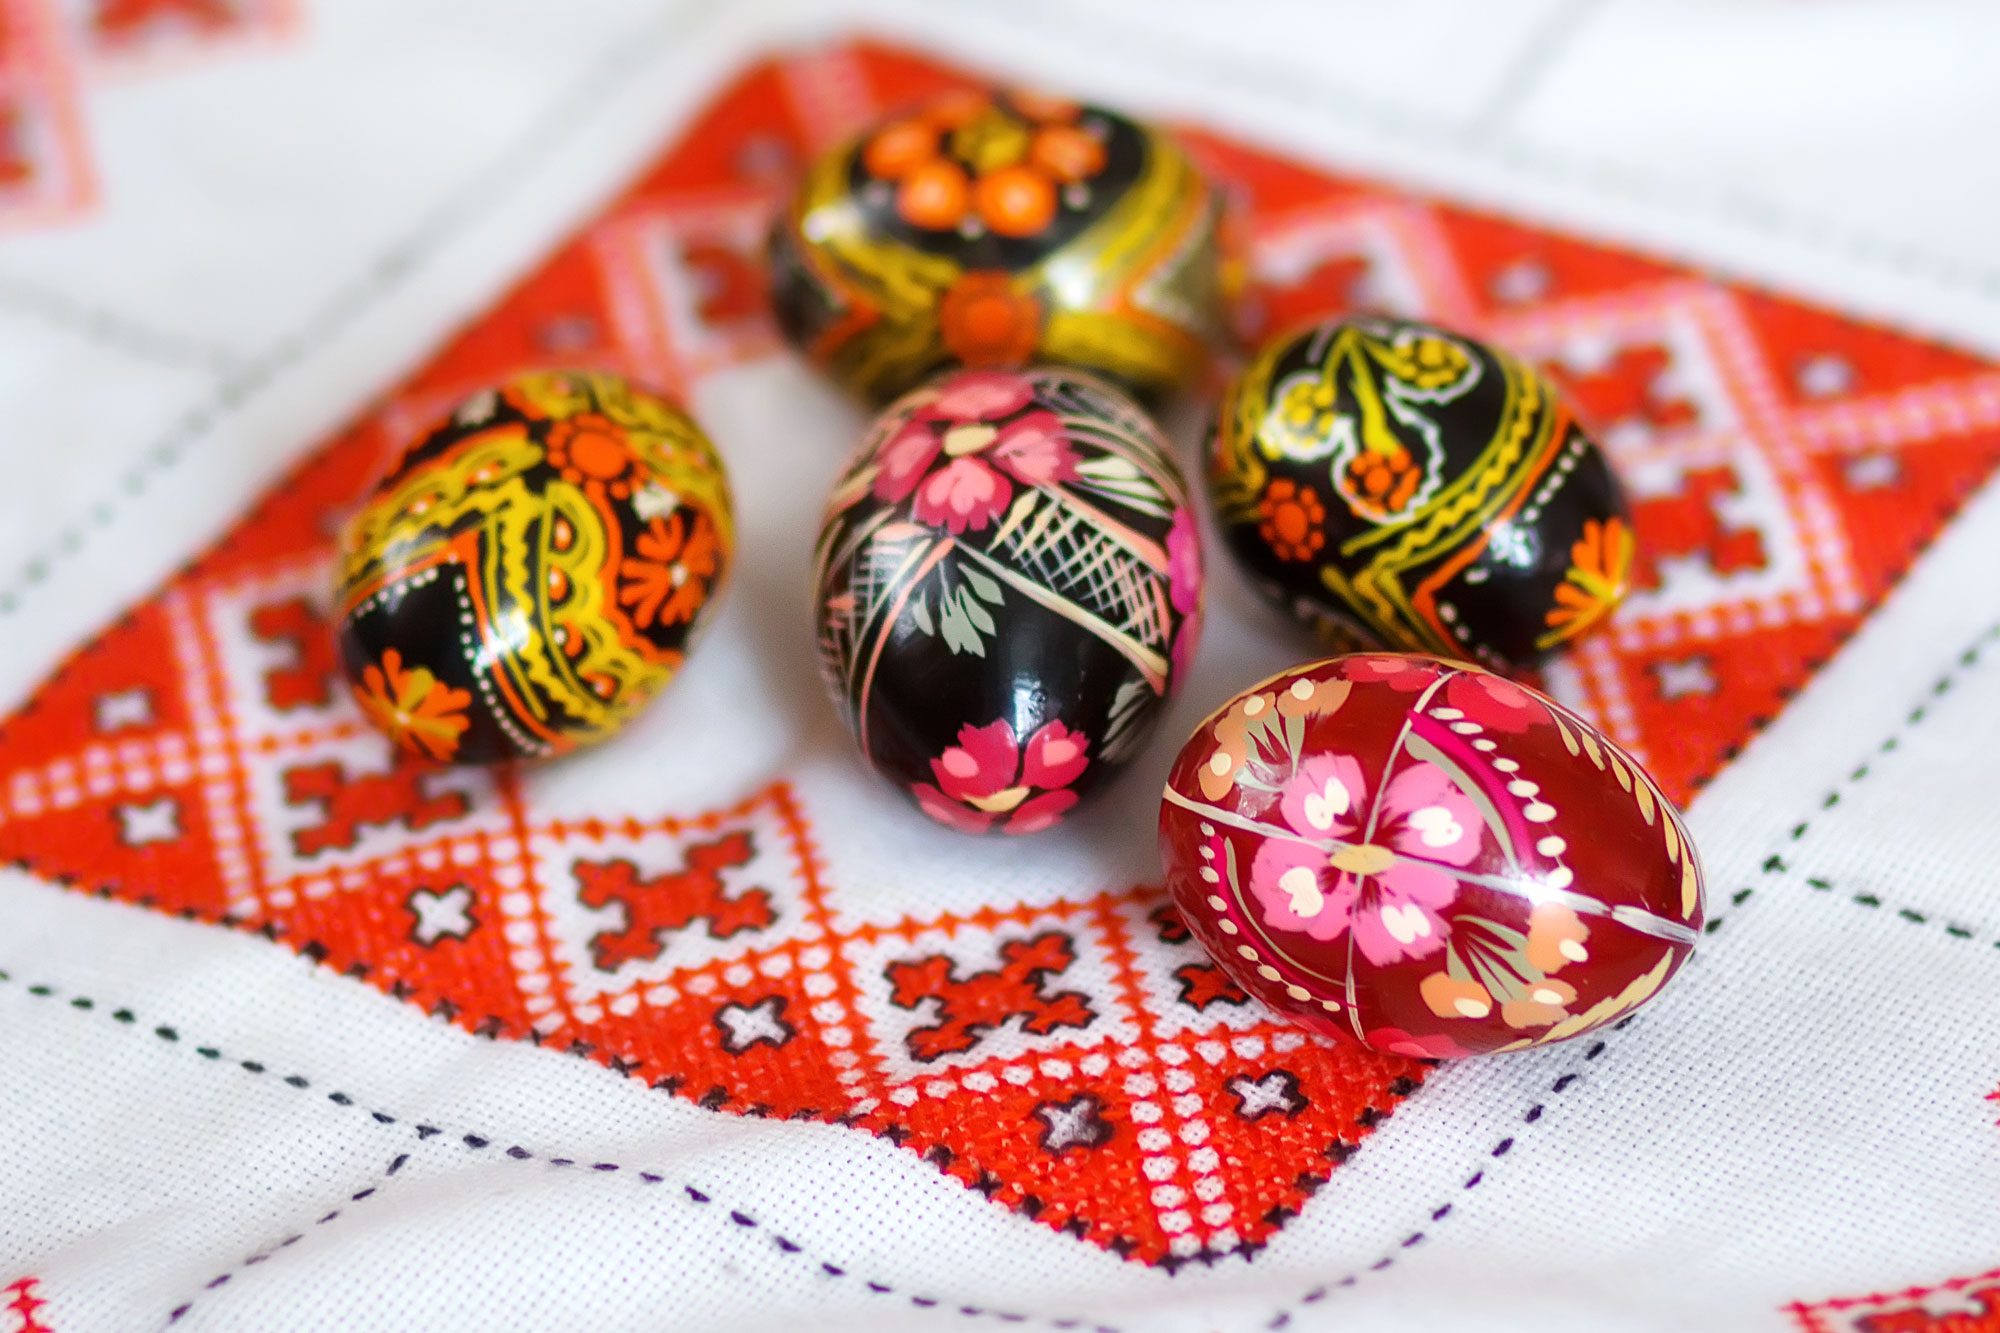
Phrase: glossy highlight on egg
pixel 532 569
pixel 1008 584
pixel 1427 858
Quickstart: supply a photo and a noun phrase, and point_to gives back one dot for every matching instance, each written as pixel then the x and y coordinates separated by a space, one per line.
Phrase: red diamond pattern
pixel 1787 465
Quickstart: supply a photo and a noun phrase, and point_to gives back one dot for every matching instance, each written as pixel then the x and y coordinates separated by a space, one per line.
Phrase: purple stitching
pixel 480 1143
pixel 1774 864
pixel 271 1251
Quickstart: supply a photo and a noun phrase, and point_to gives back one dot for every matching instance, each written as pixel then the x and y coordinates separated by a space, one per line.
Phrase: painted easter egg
pixel 1427 858
pixel 1397 484
pixel 529 573
pixel 1001 229
pixel 1008 582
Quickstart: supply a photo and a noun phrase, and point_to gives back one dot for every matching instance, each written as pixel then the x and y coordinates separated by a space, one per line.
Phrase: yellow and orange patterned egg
pixel 1000 230
pixel 531 571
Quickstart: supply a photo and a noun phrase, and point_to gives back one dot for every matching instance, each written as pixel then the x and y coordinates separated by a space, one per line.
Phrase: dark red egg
pixel 1427 858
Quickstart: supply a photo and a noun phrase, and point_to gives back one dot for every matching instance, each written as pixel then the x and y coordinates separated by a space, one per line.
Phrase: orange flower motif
pixel 985 321
pixel 1232 735
pixel 1386 478
pixel 588 448
pixel 1005 163
pixel 1545 1002
pixel 1291 516
pixel 414 708
pixel 1313 698
pixel 1599 573
pixel 670 579
pixel 1556 938
pixel 1451 997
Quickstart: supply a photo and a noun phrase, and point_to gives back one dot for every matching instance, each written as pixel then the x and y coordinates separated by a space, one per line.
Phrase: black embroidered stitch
pixel 1909 914
pixel 107 328
pixel 1774 864
pixel 179 1312
pixel 383 275
pixel 478 1142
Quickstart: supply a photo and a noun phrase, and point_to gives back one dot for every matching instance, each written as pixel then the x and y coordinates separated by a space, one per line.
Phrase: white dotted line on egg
pixel 1249 951
pixel 1449 615
pixel 1559 473
pixel 396 591
pixel 482 680
pixel 1536 811
pixel 1572 454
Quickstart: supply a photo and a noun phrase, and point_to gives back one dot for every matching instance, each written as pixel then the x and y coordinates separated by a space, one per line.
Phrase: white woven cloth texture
pixel 283 229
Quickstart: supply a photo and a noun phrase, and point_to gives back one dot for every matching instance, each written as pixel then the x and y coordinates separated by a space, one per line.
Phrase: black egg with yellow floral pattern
pixel 1392 483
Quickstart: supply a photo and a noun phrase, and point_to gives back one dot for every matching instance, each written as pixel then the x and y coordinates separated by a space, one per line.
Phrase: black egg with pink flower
pixel 1007 585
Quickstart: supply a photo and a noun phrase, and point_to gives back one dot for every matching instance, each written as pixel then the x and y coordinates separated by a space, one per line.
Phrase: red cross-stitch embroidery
pixel 1336 284
pixel 22 1308
pixel 352 802
pixel 971 1005
pixel 308 679
pixel 189 759
pixel 730 280
pixel 1689 524
pixel 1962 1305
pixel 1628 391
pixel 1201 984
pixel 1985 1319
pixel 657 906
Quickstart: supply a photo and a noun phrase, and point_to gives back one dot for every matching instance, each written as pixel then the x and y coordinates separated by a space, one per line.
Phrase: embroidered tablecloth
pixel 703 1028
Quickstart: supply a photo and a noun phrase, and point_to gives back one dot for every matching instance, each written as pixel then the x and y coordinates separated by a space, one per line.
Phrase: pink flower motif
pixel 982 395
pixel 1184 590
pixel 1184 563
pixel 1390 891
pixel 1324 796
pixel 1492 701
pixel 983 762
pixel 990 781
pixel 1055 757
pixel 1180 655
pixel 901 462
pixel 1392 669
pixel 963 493
pixel 967 423
pixel 1435 1046
pixel 1034 451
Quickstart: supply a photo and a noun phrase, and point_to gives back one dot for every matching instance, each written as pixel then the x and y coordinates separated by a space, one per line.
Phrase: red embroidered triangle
pixel 199 759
